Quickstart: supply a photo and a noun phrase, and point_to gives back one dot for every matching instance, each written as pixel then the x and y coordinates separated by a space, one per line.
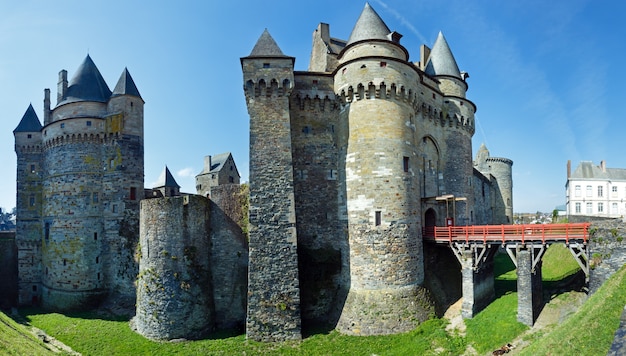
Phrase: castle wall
pixel 174 297
pixel 8 270
pixel 322 236
pixel 229 257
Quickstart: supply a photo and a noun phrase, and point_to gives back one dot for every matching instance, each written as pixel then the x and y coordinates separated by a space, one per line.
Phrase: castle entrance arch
pixel 430 218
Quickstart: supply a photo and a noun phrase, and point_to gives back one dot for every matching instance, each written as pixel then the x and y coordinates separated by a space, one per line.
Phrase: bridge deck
pixel 505 234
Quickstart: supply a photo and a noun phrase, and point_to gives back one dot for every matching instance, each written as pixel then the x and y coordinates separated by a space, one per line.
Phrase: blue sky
pixel 546 76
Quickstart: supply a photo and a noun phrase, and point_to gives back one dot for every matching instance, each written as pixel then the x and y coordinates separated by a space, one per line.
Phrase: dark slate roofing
pixel 126 85
pixel 369 26
pixel 217 163
pixel 166 180
pixel 587 170
pixel 87 84
pixel 441 61
pixel 266 47
pixel 30 122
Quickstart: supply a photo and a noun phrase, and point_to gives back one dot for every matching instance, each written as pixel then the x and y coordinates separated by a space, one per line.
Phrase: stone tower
pixel 501 170
pixel 28 147
pixel 273 283
pixel 90 172
pixel 378 87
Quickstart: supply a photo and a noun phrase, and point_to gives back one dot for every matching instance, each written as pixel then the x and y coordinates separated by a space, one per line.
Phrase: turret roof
pixel 266 47
pixel 369 26
pixel 441 61
pixel 126 85
pixel 30 122
pixel 87 84
pixel 166 180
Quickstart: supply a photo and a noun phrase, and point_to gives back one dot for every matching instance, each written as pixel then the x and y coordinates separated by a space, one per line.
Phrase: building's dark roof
pixel 126 85
pixel 266 47
pixel 587 170
pixel 441 61
pixel 87 84
pixel 30 122
pixel 166 180
pixel 217 163
pixel 369 26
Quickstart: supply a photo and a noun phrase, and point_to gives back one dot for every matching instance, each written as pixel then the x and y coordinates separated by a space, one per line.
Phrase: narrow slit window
pixel 405 163
pixel 377 218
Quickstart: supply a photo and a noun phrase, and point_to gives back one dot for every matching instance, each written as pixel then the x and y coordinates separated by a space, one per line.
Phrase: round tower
pixel 378 87
pixel 122 183
pixel 174 297
pixel 28 148
pixel 502 170
pixel 72 170
pixel 457 118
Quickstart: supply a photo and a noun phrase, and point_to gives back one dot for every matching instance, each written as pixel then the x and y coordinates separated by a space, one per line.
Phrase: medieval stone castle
pixel 349 161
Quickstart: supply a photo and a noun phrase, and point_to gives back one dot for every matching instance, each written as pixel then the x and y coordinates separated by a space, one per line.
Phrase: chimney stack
pixel 569 168
pixel 603 166
pixel 62 86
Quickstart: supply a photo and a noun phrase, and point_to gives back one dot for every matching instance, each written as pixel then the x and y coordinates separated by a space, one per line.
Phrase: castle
pixel 349 161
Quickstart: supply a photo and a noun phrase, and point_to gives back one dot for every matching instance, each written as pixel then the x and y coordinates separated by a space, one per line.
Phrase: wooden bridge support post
pixel 529 287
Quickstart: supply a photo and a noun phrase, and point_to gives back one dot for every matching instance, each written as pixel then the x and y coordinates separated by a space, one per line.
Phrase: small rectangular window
pixel 378 218
pixel 114 208
pixel 383 64
pixel 31 200
pixel 32 168
pixel 133 193
pixel 577 208
pixel 95 236
pixel 266 65
pixel 95 197
pixel 88 123
pixel 30 136
pixel 63 125
pixel 46 230
pixel 405 163
pixel 600 191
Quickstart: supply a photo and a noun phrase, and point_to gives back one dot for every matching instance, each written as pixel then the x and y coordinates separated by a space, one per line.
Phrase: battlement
pixel 317 103
pixel 500 159
pixel 261 88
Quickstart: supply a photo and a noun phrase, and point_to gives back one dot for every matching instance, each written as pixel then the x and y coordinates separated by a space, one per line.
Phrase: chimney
pixel 62 86
pixel 46 106
pixel 424 54
pixel 603 166
pixel 569 168
pixel 207 163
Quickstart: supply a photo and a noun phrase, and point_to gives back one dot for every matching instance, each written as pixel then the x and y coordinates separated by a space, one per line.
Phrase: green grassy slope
pixel 15 339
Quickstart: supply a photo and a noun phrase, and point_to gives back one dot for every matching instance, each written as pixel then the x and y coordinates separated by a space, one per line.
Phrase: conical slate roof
pixel 441 61
pixel 369 26
pixel 87 84
pixel 266 47
pixel 126 85
pixel 30 122
pixel 166 180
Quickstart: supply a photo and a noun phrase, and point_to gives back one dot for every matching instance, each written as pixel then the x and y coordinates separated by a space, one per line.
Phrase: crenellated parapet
pixel 500 160
pixel 325 103
pixel 28 149
pixel 260 87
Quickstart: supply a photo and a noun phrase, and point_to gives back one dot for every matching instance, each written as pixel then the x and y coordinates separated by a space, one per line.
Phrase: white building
pixel 595 190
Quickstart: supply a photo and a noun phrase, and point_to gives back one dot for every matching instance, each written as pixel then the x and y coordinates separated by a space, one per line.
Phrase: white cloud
pixel 187 172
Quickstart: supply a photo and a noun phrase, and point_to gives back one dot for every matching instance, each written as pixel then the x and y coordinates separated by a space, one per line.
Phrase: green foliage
pixel 244 201
pixel 558 263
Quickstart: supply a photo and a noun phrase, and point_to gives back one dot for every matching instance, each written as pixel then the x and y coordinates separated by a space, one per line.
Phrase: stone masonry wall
pixel 273 282
pixel 229 257
pixel 174 296
pixel 322 239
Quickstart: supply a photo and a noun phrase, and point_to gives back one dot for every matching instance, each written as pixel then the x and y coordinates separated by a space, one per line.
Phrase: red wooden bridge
pixel 507 234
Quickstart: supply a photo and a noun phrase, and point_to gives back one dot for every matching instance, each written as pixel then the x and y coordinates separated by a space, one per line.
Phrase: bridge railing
pixel 500 234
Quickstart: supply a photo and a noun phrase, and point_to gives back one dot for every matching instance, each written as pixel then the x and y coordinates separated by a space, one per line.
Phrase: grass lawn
pixel 588 332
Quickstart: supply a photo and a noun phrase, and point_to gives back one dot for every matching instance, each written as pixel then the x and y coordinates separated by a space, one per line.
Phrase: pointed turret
pixel 369 26
pixel 87 85
pixel 167 184
pixel 126 85
pixel 266 47
pixel 441 61
pixel 30 122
